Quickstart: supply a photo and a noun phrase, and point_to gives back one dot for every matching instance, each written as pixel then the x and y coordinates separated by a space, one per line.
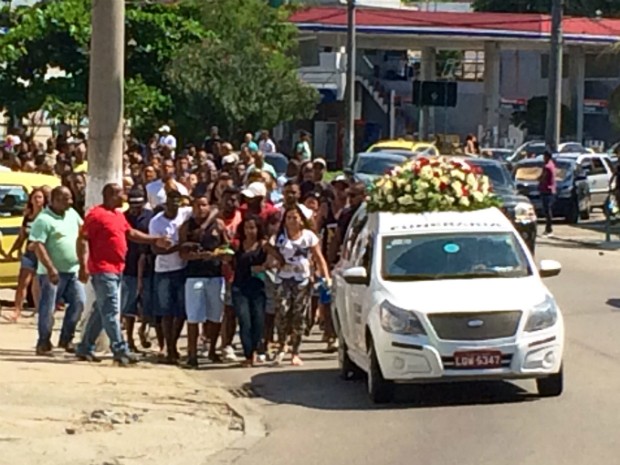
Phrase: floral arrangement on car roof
pixel 432 184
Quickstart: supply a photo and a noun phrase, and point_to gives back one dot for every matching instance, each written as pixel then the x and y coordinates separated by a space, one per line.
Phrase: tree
pixel 243 75
pixel 535 116
pixel 609 8
pixel 56 36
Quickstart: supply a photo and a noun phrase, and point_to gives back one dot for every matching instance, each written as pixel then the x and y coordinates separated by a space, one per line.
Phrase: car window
pixel 597 166
pixel 376 165
pixel 453 256
pixel 572 148
pixel 385 148
pixel 357 224
pixel 13 200
pixel 530 173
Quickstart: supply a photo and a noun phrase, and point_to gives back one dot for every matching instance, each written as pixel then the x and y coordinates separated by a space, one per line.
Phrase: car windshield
pixel 376 165
pixel 497 174
pixel 453 256
pixel 384 148
pixel 13 200
pixel 532 172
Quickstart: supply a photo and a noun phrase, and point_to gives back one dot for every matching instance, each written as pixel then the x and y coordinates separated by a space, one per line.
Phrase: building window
pixel 461 66
pixel 603 66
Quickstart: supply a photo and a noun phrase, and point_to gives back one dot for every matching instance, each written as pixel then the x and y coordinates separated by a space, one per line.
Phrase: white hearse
pixel 444 296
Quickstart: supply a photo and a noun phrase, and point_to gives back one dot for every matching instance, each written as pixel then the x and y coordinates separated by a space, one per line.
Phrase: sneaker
pixel 91 358
pixel 126 359
pixel 279 358
pixel 191 364
pixel 262 358
pixel 44 351
pixel 68 346
pixel 229 354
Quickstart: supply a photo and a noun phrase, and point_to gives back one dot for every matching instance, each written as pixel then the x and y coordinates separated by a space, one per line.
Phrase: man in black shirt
pixel 137 275
pixel 356 195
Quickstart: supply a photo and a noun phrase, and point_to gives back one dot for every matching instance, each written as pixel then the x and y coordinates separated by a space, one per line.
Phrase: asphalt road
pixel 315 418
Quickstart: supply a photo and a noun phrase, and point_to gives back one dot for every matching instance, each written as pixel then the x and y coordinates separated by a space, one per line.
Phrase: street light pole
pixel 105 107
pixel 554 101
pixel 350 87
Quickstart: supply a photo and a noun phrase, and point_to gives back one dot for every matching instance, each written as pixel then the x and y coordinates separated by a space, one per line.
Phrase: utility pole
pixel 554 101
pixel 350 88
pixel 105 106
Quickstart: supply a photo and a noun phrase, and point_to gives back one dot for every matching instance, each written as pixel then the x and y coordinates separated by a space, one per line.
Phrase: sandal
pixel 296 361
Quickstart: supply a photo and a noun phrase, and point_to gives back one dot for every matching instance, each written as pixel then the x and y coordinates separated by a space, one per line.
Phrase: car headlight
pixel 398 321
pixel 542 316
pixel 524 212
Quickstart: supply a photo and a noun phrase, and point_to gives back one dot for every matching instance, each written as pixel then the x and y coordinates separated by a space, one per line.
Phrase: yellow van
pixel 404 145
pixel 15 187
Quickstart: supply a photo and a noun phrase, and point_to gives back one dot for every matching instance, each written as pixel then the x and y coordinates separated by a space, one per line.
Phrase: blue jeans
pixel 250 311
pixel 548 200
pixel 170 293
pixel 71 291
pixel 129 296
pixel 105 315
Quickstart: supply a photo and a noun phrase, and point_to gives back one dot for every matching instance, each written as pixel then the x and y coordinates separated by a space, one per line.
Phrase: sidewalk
pixel 591 234
pixel 61 411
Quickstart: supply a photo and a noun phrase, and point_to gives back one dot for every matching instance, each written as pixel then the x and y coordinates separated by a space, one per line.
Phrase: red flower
pixel 443 186
pixel 465 191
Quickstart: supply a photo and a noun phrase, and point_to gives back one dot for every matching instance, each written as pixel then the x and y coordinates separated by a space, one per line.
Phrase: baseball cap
pixel 230 159
pixel 320 161
pixel 341 178
pixel 136 197
pixel 256 189
pixel 164 128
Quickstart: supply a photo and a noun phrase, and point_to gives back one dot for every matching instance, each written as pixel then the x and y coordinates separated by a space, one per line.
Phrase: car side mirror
pixel 356 275
pixel 549 268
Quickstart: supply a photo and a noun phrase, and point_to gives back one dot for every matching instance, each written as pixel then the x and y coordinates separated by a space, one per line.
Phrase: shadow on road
pixel 614 302
pixel 324 390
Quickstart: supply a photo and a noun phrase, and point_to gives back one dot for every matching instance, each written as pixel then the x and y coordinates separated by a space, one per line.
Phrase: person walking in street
pixel 248 289
pixel 204 241
pixel 547 188
pixel 170 272
pixel 134 279
pixel 299 246
pixel 102 248
pixel 54 234
pixel 37 201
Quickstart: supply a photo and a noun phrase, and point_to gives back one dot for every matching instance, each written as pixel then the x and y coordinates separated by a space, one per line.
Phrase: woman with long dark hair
pixel 248 287
pixel 28 267
pixel 299 247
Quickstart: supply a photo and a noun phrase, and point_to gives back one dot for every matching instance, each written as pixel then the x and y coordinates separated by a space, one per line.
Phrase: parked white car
pixel 599 170
pixel 444 296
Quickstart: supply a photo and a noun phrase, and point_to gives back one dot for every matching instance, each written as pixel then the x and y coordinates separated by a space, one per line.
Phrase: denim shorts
pixel 29 261
pixel 204 299
pixel 129 296
pixel 170 292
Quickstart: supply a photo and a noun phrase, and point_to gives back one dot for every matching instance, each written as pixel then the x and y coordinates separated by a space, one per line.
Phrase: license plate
pixel 478 359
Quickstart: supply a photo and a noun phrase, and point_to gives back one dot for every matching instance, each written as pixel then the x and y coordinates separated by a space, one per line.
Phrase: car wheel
pixel 380 390
pixel 572 216
pixel 348 369
pixel 551 386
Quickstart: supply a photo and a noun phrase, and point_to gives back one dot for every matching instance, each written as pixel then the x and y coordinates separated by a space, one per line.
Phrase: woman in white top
pixel 299 246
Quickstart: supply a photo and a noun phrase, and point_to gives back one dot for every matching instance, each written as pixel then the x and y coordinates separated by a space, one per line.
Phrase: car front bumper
pixel 411 359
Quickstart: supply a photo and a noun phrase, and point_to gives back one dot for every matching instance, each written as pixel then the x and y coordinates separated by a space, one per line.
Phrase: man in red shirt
pixel 102 247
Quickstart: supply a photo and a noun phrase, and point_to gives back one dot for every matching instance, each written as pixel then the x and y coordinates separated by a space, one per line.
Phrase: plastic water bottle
pixel 325 293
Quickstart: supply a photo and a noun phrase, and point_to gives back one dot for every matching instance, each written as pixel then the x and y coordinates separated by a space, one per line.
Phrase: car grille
pixel 475 326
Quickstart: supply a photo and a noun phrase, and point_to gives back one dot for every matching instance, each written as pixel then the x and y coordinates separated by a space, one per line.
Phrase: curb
pixel 586 243
pixel 254 429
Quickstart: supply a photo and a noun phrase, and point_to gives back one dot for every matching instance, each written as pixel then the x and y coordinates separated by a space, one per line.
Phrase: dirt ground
pixel 60 411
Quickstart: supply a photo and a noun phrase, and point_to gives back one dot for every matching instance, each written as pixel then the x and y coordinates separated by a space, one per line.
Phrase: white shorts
pixel 204 299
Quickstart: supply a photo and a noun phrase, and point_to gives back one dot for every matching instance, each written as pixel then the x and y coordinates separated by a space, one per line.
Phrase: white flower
pixel 436 183
pixel 388 186
pixel 420 195
pixel 390 198
pixel 457 187
pixel 464 201
pixel 405 200
pixel 408 188
pixel 478 196
pixel 426 173
pixel 458 174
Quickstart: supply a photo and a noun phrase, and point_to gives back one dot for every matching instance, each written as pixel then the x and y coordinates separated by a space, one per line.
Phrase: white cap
pixel 164 128
pixel 230 159
pixel 13 140
pixel 320 161
pixel 256 189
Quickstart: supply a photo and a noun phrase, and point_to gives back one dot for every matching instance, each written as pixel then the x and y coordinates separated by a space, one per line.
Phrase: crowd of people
pixel 207 238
